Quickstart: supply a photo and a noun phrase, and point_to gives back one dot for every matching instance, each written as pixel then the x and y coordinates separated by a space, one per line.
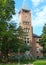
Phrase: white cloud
pixel 36 2
pixel 40 18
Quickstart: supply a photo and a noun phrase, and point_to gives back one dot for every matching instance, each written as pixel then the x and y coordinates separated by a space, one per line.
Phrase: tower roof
pixel 24 7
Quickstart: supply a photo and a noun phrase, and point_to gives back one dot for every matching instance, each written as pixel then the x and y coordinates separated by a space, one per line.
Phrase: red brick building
pixel 29 37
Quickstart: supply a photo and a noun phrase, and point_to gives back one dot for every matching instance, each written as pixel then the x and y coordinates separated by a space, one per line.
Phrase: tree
pixel 9 35
pixel 43 40
pixel 20 44
pixel 7 9
pixel 13 40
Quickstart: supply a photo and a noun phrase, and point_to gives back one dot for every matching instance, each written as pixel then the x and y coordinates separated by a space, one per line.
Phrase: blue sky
pixel 38 13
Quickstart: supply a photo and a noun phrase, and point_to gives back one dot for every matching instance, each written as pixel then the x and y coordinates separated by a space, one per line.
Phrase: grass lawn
pixel 39 62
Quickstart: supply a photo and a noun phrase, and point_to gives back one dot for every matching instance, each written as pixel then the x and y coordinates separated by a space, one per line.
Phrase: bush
pixel 14 58
pixel 22 59
pixel 43 62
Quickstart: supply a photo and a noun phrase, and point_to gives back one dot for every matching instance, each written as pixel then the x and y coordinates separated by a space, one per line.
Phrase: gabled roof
pixel 36 36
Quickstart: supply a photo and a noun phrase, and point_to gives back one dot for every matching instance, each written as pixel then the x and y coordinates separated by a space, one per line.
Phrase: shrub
pixel 41 62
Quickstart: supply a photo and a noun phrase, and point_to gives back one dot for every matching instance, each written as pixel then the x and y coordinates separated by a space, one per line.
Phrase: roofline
pixel 36 36
pixel 25 10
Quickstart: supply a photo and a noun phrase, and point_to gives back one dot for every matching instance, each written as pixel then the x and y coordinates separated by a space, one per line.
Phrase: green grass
pixel 40 62
pixel 37 62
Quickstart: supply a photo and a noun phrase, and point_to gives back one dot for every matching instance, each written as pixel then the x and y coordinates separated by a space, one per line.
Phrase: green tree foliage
pixel 12 41
pixel 43 40
pixel 10 36
pixel 7 9
pixel 20 44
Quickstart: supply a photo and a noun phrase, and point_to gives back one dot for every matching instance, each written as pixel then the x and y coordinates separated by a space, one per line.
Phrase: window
pixel 37 57
pixel 38 50
pixel 26 23
pixel 26 29
pixel 26 41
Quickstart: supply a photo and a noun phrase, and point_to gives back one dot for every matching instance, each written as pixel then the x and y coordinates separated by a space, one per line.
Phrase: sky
pixel 38 13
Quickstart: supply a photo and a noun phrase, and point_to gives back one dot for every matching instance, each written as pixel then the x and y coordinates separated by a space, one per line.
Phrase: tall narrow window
pixel 27 41
pixel 38 50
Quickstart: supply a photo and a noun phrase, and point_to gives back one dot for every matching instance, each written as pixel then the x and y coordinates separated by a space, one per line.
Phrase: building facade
pixel 29 38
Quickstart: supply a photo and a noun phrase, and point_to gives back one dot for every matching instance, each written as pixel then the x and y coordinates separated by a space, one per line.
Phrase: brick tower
pixel 25 23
